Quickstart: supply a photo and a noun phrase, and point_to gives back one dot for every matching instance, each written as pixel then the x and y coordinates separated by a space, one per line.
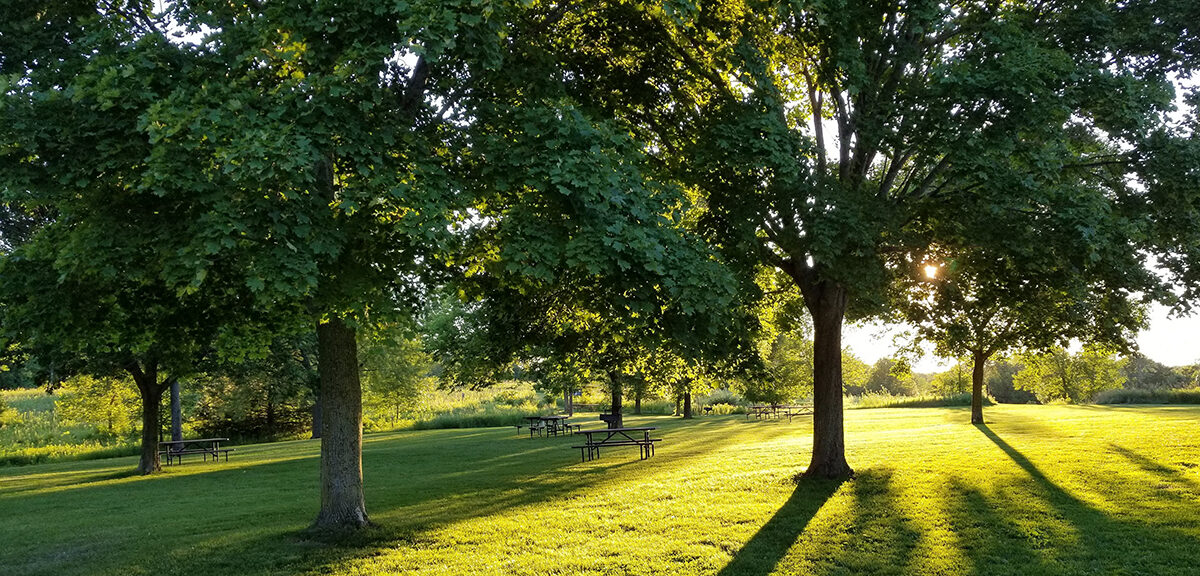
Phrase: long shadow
pixel 990 538
pixel 1163 471
pixel 1097 540
pixel 764 551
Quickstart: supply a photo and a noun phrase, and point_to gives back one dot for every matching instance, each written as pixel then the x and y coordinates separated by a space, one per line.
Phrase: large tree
pixel 299 156
pixel 826 136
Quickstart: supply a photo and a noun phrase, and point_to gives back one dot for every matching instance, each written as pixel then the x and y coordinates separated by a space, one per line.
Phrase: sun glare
pixel 931 271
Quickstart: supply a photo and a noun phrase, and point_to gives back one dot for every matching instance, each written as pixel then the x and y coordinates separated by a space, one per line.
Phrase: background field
pixel 1038 490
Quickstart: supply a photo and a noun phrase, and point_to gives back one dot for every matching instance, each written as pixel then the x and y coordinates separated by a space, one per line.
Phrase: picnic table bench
pixel 612 437
pixel 175 450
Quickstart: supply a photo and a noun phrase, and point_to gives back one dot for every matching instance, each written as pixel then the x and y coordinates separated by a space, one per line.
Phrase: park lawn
pixel 1038 490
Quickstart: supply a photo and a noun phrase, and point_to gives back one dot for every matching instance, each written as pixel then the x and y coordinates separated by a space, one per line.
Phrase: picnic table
pixel 610 437
pixel 554 424
pixel 760 411
pixel 176 449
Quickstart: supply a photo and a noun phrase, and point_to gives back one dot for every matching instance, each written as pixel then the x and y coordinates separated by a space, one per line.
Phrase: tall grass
pixel 30 433
pixel 1177 396
pixel 505 405
pixel 885 400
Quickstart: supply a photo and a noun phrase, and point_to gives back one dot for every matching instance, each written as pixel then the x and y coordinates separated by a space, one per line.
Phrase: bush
pixel 724 408
pixel 657 406
pixel 721 396
pixel 1142 396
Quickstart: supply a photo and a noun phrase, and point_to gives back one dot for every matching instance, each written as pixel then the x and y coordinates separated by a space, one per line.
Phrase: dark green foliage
pixel 999 380
pixel 261 398
pixel 890 376
pixel 1143 373
pixel 1149 396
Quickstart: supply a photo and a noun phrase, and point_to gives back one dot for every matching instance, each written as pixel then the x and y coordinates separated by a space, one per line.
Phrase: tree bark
pixel 151 392
pixel 687 404
pixel 617 397
pixel 176 411
pixel 637 404
pixel 342 503
pixel 980 360
pixel 827 305
pixel 568 406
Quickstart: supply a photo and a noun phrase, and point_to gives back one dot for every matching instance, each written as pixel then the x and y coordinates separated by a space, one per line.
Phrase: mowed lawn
pixel 1038 490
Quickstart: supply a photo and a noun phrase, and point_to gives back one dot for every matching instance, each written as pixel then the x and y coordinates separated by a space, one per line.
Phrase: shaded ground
pixel 1045 490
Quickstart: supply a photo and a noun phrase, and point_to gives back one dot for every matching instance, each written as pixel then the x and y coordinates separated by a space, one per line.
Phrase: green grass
pixel 1038 490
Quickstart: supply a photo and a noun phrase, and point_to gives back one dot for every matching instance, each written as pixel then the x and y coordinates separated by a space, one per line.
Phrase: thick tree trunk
pixel 637 404
pixel 568 406
pixel 828 309
pixel 176 411
pixel 342 503
pixel 151 392
pixel 617 397
pixel 980 360
pixel 687 404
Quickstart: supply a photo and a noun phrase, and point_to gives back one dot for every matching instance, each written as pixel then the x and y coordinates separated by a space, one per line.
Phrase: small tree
pixel 955 381
pixel 395 370
pixel 1058 375
pixel 105 401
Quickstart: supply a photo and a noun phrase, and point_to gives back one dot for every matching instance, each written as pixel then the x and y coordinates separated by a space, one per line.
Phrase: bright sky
pixel 1172 341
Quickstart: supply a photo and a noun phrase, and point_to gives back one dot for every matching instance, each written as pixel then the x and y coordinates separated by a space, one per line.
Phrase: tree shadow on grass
pixel 250 518
pixel 869 532
pixel 764 551
pixel 1162 471
pixel 1048 530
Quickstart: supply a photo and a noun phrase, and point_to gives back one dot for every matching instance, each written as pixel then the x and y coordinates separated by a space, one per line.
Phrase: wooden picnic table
pixel 760 411
pixel 553 424
pixel 611 437
pixel 176 449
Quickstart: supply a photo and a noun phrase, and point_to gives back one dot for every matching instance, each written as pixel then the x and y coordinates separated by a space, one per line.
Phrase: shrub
pixel 1143 396
pixel 656 406
pixel 721 396
pixel 726 408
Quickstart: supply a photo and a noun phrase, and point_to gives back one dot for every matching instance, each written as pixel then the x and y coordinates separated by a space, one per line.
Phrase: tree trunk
pixel 617 397
pixel 568 406
pixel 980 360
pixel 342 503
pixel 176 411
pixel 637 404
pixel 828 309
pixel 151 392
pixel 687 404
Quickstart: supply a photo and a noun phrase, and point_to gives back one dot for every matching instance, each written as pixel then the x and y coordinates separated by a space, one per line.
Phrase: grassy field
pixel 1038 490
